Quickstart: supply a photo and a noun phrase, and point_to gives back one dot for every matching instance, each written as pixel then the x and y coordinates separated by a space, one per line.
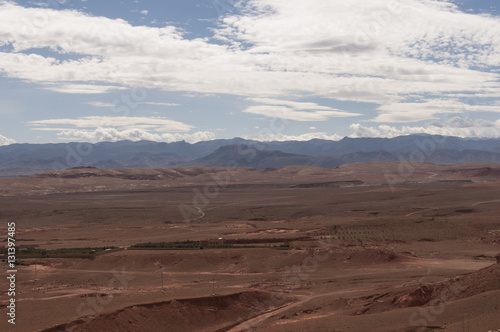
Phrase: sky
pixel 193 70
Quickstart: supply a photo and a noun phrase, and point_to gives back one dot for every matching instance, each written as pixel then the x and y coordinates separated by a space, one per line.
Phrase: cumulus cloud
pixel 191 138
pixel 109 134
pixel 6 141
pixel 456 126
pixel 136 134
pixel 117 128
pixel 267 137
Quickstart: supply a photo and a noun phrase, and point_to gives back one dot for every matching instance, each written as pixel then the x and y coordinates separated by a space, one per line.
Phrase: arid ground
pixel 363 247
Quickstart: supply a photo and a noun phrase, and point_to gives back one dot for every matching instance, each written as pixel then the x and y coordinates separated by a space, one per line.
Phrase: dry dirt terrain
pixel 363 247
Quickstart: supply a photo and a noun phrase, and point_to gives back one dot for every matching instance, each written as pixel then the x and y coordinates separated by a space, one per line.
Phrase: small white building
pixel 216 242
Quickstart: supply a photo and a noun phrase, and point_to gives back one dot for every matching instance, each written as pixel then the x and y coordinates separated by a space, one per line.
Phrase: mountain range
pixel 27 159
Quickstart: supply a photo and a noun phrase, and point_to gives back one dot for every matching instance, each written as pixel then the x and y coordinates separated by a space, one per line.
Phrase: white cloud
pixel 292 104
pixel 298 111
pixel 121 122
pixel 136 134
pixel 191 138
pixel 409 28
pixel 49 128
pixel 268 137
pixel 104 104
pixel 116 128
pixel 456 126
pixel 82 88
pixel 100 104
pixel 375 51
pixel 160 104
pixel 144 12
pixel 109 134
pixel 291 114
pixel 6 141
pixel 413 112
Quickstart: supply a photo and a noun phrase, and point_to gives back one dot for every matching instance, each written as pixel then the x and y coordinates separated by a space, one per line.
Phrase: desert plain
pixel 363 247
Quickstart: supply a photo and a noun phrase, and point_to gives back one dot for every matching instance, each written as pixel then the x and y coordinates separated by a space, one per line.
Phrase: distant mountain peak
pixel 26 159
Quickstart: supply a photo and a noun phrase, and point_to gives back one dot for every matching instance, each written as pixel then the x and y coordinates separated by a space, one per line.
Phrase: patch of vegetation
pixel 267 240
pixel 62 251
pixel 251 243
pixel 177 244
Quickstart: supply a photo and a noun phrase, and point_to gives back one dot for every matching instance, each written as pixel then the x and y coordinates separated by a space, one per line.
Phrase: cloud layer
pixel 413 60
pixel 378 51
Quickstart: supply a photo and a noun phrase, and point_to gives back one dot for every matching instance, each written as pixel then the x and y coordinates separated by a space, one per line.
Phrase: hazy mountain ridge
pixel 26 159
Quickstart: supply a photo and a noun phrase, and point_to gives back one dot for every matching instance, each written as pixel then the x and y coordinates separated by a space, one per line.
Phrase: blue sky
pixel 73 70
